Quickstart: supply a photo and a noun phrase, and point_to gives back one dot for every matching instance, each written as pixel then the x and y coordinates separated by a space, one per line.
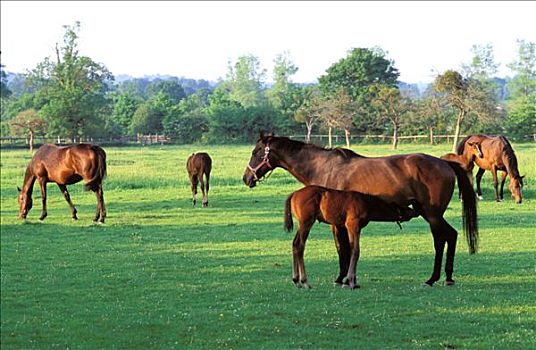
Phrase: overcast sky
pixel 198 39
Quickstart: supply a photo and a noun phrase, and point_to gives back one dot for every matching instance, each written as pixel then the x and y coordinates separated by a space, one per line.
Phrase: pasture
pixel 162 274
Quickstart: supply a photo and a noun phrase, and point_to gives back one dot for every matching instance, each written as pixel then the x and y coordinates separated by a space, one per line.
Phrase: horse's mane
pixel 461 145
pixel 510 155
pixel 287 144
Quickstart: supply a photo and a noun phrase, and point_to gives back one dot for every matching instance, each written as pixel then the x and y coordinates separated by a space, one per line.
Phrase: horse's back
pixel 402 178
pixel 69 164
pixel 199 163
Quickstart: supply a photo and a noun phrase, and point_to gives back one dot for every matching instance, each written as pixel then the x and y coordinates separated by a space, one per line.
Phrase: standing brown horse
pixel 347 210
pixel 424 181
pixel 197 165
pixel 64 165
pixel 493 153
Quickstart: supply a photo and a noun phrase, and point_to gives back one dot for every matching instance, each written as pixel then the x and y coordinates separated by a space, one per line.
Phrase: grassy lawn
pixel 161 274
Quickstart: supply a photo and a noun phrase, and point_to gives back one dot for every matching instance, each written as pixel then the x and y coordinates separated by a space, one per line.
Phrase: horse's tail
pixel 289 224
pixel 461 145
pixel 469 207
pixel 100 172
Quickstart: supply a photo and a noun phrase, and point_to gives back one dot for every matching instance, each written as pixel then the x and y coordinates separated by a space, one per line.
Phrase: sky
pixel 198 39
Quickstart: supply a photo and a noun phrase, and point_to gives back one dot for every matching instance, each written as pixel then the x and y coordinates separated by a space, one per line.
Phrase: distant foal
pixel 345 211
pixel 197 165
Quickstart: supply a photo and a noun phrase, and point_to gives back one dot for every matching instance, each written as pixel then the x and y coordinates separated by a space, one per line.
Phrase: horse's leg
pixel 503 179
pixel 451 237
pixel 101 210
pixel 438 228
pixel 495 183
pixel 353 236
pixel 63 189
pixel 43 185
pixel 204 189
pixel 298 248
pixel 340 236
pixel 479 175
pixel 194 189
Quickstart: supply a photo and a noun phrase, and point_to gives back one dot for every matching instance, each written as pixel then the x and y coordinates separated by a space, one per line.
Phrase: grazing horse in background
pixel 64 165
pixel 346 210
pixel 420 180
pixel 493 153
pixel 199 164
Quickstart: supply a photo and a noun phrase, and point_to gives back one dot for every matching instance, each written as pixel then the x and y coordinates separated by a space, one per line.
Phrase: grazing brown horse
pixel 420 180
pixel 493 153
pixel 346 210
pixel 64 165
pixel 197 165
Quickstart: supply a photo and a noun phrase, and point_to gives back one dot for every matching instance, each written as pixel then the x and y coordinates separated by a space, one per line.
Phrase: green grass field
pixel 160 274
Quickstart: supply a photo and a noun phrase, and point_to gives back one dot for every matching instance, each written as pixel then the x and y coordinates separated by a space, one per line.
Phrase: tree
pixel 28 122
pixel 337 113
pixel 467 96
pixel 245 80
pixel 171 88
pixel 310 110
pixel 123 111
pixel 391 106
pixel 360 69
pixel 75 88
pixel 522 88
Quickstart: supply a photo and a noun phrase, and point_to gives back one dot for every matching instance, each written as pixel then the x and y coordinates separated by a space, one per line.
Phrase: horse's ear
pixel 18 189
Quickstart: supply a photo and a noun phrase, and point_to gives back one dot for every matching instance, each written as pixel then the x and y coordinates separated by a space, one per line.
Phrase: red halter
pixel 265 160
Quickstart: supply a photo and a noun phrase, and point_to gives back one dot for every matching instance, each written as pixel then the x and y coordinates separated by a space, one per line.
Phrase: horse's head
pixel 475 149
pixel 259 163
pixel 516 188
pixel 25 203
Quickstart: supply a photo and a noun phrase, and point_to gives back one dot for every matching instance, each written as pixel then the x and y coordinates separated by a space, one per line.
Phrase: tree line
pixel 71 96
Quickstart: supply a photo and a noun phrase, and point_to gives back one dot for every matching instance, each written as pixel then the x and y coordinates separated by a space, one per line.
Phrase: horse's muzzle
pixel 249 180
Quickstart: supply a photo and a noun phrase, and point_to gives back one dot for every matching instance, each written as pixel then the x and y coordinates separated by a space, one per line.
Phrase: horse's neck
pixel 511 165
pixel 304 168
pixel 29 180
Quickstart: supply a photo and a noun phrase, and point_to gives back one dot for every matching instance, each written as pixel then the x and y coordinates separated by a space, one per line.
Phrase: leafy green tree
pixel 123 111
pixel 75 88
pixel 360 69
pixel 521 105
pixel 171 88
pixel 391 106
pixel 310 110
pixel 466 95
pixel 144 121
pixel 245 80
pixel 28 122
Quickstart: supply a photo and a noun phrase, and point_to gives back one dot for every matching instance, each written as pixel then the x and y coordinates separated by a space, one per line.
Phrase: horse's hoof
pixel 480 197
pixel 427 285
pixel 42 217
pixel 205 205
pixel 306 285
pixel 449 283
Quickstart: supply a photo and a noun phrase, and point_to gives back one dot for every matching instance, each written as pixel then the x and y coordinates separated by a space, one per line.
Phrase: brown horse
pixel 424 181
pixel 346 210
pixel 494 153
pixel 197 165
pixel 64 165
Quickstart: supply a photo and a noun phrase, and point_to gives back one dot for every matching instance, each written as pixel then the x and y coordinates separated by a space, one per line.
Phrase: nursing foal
pixel 344 210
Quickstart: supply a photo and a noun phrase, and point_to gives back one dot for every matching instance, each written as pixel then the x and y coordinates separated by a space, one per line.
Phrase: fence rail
pixel 16 141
